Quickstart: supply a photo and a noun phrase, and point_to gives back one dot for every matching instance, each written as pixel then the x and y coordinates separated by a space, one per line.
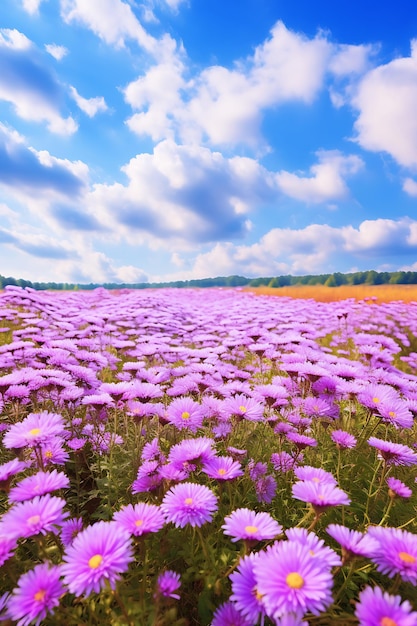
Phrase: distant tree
pixel 331 281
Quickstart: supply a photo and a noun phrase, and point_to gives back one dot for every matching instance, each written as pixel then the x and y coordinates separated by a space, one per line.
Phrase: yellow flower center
pixel 391 414
pixel 315 479
pixel 34 519
pixel 188 501
pixel 34 432
pixel 376 400
pixel 407 558
pixel 185 415
pixel 139 522
pixel 39 595
pixel 95 561
pixel 387 621
pixel 222 471
pixel 242 409
pixel 48 454
pixel 294 580
pixel 257 595
pixel 251 530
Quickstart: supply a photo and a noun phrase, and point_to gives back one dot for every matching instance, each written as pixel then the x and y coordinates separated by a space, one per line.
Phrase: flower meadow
pixel 209 457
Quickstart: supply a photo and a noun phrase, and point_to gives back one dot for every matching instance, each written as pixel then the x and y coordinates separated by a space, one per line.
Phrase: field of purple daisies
pixel 195 457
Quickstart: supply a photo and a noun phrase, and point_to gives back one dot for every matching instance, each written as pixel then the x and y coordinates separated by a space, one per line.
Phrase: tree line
pixel 369 277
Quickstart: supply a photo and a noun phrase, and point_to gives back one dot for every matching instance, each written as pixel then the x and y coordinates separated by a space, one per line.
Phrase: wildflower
pixel 98 553
pixel 283 461
pixel 228 615
pixel 37 594
pixel 189 503
pixel 265 487
pixel 8 470
pixel 301 441
pixel 317 547
pixel 185 413
pixel 396 413
pixel 320 495
pixel 243 407
pixel 393 453
pixel 353 542
pixel 38 485
pixel 246 524
pixel 378 608
pixel 315 474
pixel 140 519
pixel 7 545
pixel 374 395
pixel 42 514
pixel 198 450
pixel 291 580
pixel 343 439
pixel 398 488
pixel 244 591
pixel 222 468
pixel 36 428
pixel 395 553
pixel 167 584
pixel 70 529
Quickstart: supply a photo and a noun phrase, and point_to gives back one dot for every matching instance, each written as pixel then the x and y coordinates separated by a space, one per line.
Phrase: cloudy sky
pixel 176 139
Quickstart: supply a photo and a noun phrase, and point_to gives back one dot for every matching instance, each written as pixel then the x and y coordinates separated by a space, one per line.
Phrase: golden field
pixel 382 293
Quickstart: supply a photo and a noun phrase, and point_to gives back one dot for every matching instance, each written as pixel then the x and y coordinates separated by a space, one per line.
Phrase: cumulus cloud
pixel 25 170
pixel 184 193
pixel 31 6
pixel 90 106
pixel 410 187
pixel 386 100
pixel 29 86
pixel 326 181
pixel 111 20
pixel 56 51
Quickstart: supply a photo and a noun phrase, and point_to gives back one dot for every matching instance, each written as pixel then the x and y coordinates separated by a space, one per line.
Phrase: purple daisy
pixel 283 461
pixel 7 546
pixel 70 529
pixel 42 514
pixel 266 488
pixel 185 413
pixel 189 503
pixel 249 525
pixel 315 474
pixel 98 553
pixel 228 615
pixel 395 553
pixel 38 485
pixel 353 542
pixel 398 488
pixel 320 495
pixel 317 547
pixel 291 580
pixel 393 453
pixel 244 592
pixel 140 519
pixel 37 594
pixel 36 428
pixel 222 468
pixel 167 584
pixel 10 469
pixel 343 439
pixel 302 441
pixel 378 608
pixel 196 451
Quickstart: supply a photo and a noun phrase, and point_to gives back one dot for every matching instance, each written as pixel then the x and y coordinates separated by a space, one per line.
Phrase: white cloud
pixel 410 187
pixel 111 20
pixel 29 86
pixel 31 6
pixel 349 59
pixel 387 102
pixel 58 52
pixel 326 182
pixel 378 236
pixel 90 106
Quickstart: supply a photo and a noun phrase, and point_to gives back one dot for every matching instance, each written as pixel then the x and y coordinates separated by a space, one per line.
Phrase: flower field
pixel 195 457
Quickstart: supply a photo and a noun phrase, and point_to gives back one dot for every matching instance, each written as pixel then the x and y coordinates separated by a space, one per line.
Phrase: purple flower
pixel 265 488
pixel 395 553
pixel 228 615
pixel 242 406
pixel 37 594
pixel 167 584
pixel 189 503
pixel 315 474
pixel 140 519
pixel 291 580
pixel 378 608
pixel 353 542
pixel 70 529
pixel 185 413
pixel 247 524
pixel 198 450
pixel 222 468
pixel 38 485
pixel 320 495
pixel 98 553
pixel 244 592
pixel 302 441
pixel 317 547
pixel 7 546
pixel 36 428
pixel 42 514
pixel 283 461
pixel 395 412
pixel 343 439
pixel 393 453
pixel 398 488
pixel 9 469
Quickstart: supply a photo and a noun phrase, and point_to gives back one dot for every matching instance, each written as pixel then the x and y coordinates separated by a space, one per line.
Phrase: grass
pixel 383 293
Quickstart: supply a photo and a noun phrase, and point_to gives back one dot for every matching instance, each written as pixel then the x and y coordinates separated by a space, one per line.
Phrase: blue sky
pixel 177 139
